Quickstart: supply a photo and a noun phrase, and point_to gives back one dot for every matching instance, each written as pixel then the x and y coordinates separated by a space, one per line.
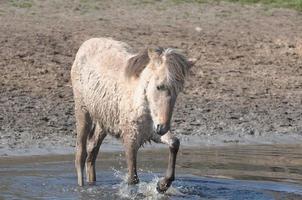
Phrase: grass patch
pixel 295 4
pixel 191 1
pixel 86 6
pixel 140 2
pixel 21 3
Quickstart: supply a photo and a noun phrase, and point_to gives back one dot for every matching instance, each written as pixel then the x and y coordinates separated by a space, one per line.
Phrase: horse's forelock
pixel 177 68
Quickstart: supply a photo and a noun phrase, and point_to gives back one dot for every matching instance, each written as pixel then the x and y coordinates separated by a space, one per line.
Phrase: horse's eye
pixel 161 87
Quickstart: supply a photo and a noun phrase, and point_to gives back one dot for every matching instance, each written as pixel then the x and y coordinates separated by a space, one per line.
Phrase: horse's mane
pixel 137 64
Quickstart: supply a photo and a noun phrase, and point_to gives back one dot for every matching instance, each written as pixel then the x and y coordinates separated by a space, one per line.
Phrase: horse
pixel 128 95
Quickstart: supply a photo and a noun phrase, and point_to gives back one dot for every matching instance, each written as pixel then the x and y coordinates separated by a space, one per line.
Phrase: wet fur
pixel 109 85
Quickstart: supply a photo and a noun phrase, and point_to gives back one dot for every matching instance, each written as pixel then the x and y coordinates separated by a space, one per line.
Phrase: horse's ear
pixel 137 64
pixel 155 53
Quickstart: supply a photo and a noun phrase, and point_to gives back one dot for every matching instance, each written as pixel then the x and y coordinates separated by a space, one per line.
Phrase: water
pixel 221 173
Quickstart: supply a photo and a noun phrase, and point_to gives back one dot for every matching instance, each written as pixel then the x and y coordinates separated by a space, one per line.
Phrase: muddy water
pixel 240 172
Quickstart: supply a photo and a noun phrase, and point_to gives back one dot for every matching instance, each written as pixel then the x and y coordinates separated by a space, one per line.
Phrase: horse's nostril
pixel 158 128
pixel 161 129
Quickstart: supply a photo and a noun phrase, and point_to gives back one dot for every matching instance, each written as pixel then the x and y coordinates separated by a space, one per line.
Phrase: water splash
pixel 146 189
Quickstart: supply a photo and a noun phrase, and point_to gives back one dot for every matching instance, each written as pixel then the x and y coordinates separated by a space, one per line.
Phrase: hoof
pixel 163 185
pixel 133 181
pixel 91 183
pixel 81 183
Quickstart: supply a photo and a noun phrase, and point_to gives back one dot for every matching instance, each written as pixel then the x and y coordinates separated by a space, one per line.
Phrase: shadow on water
pixel 249 172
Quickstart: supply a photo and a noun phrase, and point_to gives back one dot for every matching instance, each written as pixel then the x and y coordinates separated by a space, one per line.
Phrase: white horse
pixel 130 96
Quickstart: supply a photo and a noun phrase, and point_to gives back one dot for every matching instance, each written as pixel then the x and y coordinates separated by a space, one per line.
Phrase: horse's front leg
pixel 131 154
pixel 173 143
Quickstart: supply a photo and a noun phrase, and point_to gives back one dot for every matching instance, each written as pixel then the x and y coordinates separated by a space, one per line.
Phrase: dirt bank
pixel 247 82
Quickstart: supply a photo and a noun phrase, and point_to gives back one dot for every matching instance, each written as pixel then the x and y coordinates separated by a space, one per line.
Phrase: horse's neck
pixel 136 98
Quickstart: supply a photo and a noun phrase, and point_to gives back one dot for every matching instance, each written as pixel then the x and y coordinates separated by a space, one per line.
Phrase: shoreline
pixel 110 144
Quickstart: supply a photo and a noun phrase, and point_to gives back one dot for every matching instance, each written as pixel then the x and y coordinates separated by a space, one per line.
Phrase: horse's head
pixel 163 71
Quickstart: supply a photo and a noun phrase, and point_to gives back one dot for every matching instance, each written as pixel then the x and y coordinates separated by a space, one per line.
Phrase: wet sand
pixel 247 83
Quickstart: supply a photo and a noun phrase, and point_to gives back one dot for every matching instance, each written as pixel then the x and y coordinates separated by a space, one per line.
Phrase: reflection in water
pixel 249 172
pixel 265 162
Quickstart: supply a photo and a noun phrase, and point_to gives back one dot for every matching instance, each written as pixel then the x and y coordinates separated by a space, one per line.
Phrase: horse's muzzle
pixel 162 129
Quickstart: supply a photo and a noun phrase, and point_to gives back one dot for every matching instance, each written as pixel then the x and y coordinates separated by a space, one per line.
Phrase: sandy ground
pixel 247 84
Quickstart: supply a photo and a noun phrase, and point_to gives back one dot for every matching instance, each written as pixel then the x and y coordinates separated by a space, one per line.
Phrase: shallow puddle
pixel 240 172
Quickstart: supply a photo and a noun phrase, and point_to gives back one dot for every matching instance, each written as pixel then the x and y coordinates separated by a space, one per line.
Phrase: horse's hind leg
pixel 83 124
pixel 173 143
pixel 94 142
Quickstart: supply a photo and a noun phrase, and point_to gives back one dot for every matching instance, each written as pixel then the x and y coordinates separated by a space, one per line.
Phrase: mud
pixel 247 82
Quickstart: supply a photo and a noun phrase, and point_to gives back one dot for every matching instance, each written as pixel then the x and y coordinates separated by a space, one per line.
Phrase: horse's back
pixel 100 58
pixel 102 54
